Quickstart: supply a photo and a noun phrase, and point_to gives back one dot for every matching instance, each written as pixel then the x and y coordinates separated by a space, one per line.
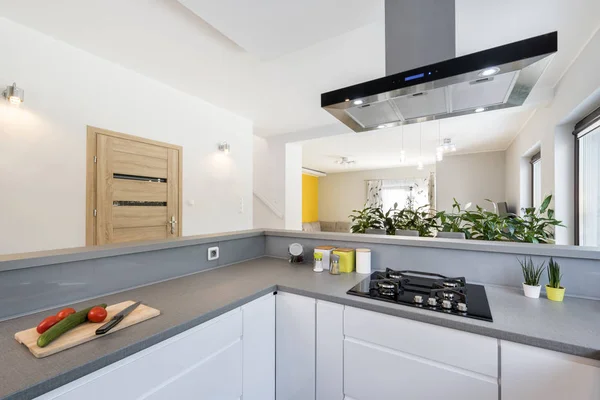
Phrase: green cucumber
pixel 65 325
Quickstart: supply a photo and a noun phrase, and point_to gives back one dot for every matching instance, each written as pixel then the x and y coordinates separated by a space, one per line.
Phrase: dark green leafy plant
pixel 554 275
pixel 452 222
pixel 367 218
pixel 531 273
pixel 416 220
pixel 536 226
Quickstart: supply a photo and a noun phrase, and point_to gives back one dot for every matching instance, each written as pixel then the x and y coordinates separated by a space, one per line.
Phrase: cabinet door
pixel 157 366
pixel 376 373
pixel 533 373
pixel 295 347
pixel 218 377
pixel 259 349
pixel 330 351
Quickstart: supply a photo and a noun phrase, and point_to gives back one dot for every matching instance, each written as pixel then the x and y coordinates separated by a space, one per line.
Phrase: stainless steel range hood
pixel 492 79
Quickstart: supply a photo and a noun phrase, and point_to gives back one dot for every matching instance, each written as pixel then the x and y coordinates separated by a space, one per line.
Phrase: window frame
pixel 582 128
pixel 537 157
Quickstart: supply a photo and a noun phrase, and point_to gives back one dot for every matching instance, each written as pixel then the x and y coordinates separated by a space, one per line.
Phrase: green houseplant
pixel 554 291
pixel 367 218
pixel 531 275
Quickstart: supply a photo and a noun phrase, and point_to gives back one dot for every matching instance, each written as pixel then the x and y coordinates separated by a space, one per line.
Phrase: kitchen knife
pixel 116 319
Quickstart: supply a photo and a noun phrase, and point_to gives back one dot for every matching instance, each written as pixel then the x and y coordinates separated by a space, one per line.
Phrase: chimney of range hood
pixel 417 33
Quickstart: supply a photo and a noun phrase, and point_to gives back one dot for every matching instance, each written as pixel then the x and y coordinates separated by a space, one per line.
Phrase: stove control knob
pixel 462 307
pixel 432 301
pixel 419 299
pixel 447 304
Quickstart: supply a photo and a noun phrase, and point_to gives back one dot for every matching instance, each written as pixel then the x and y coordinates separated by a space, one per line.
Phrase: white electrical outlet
pixel 213 253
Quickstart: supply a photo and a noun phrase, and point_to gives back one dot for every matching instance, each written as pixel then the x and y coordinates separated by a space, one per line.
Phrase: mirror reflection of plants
pixel 367 218
pixel 536 225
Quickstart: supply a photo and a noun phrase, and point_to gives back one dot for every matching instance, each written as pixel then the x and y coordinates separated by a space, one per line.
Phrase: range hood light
pixel 489 71
pixel 357 102
pixel 381 127
pixel 479 109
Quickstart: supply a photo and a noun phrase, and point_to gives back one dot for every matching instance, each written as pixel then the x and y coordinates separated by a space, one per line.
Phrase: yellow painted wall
pixel 310 198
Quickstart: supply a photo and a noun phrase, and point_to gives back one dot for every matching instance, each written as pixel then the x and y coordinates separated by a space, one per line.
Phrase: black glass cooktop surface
pixel 428 291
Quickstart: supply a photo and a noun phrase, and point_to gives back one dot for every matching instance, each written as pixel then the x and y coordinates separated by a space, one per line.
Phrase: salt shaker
pixel 318 262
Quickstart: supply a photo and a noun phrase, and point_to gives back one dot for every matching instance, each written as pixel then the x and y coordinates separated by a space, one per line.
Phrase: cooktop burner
pixel 428 291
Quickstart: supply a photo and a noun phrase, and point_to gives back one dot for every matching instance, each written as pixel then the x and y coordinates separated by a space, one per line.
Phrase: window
pixel 536 180
pixel 407 193
pixel 587 183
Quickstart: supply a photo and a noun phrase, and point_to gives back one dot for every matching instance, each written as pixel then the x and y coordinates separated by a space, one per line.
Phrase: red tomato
pixel 47 323
pixel 64 313
pixel 97 314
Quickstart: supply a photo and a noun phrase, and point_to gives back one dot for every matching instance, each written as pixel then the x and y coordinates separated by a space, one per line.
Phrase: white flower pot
pixel 532 291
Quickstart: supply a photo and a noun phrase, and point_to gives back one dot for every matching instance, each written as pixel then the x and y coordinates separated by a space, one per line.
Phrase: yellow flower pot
pixel 555 294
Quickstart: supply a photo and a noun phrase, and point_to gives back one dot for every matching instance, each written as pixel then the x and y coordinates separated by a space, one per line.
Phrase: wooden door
pixel 136 193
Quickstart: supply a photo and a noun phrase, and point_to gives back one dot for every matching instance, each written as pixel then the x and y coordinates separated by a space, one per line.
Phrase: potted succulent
pixel 554 291
pixel 531 274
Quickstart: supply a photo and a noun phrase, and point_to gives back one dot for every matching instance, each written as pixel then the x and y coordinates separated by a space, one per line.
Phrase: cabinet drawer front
pixel 152 367
pixel 217 378
pixel 449 346
pixel 533 373
pixel 375 373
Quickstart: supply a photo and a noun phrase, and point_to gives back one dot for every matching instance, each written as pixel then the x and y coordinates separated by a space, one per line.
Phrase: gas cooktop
pixel 427 291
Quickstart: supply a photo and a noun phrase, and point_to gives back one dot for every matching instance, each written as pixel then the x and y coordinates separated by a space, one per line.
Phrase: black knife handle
pixel 109 325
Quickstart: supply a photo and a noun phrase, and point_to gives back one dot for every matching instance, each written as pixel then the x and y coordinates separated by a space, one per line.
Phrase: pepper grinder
pixel 334 268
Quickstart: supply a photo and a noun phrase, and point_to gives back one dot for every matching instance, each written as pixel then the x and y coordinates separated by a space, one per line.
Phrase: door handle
pixel 172 222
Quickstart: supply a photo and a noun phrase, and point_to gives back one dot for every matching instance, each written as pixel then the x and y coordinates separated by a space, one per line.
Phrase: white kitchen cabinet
pixel 387 357
pixel 160 365
pixel 534 373
pixel 259 349
pixel 330 351
pixel 295 347
pixel 373 372
pixel 219 377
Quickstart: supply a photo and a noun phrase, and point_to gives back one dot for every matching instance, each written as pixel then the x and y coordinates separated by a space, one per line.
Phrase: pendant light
pixel 402 152
pixel 420 163
pixel 439 151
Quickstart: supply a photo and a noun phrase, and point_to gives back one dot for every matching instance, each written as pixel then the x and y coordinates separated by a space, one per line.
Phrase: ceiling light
pixel 224 147
pixel 357 102
pixel 489 71
pixel 439 153
pixel 479 109
pixel 402 156
pixel 448 145
pixel 14 94
pixel 345 161
pixel 420 165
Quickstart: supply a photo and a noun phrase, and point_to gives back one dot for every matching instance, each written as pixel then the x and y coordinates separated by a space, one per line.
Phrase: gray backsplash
pixel 32 289
pixel 581 276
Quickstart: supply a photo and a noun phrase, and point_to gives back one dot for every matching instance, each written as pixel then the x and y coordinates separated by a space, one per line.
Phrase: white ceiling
pixel 272 28
pixel 377 149
pixel 271 62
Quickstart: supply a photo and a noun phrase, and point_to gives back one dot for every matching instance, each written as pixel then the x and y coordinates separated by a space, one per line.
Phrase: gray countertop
pixel 570 327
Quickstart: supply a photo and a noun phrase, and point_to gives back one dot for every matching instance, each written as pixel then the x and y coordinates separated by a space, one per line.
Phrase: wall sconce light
pixel 224 147
pixel 14 94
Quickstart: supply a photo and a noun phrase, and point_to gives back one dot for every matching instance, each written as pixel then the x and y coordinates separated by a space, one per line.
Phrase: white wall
pixel 42 143
pixel 576 95
pixel 471 178
pixel 340 193
pixel 277 183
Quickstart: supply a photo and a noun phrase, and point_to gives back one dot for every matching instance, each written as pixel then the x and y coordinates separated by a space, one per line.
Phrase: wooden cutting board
pixel 86 331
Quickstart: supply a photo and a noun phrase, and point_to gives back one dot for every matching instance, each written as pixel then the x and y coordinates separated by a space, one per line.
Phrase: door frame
pixel 90 177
